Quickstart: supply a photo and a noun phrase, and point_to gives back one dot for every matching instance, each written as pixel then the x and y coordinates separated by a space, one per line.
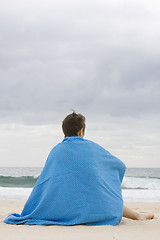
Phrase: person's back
pixel 79 184
pixel 89 180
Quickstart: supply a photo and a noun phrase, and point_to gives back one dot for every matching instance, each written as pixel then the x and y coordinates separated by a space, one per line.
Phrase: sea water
pixel 139 184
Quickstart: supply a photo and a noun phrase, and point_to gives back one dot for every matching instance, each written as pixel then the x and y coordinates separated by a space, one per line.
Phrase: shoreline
pixel 129 195
pixel 128 229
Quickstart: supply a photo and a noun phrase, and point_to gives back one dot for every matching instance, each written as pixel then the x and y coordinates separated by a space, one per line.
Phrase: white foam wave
pixel 137 195
pixel 36 176
pixel 129 195
pixel 14 193
pixel 141 183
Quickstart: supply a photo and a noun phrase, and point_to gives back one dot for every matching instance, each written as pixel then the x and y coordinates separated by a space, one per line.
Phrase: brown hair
pixel 72 124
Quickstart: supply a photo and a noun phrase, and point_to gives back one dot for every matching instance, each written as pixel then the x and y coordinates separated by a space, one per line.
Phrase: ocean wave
pixel 132 195
pixel 14 193
pixel 128 182
pixel 148 177
pixel 36 176
pixel 23 181
pixel 128 194
pixel 141 183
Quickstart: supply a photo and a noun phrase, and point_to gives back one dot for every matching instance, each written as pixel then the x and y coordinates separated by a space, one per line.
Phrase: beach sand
pixel 128 229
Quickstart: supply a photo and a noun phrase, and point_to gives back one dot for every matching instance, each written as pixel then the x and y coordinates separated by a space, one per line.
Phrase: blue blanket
pixel 79 184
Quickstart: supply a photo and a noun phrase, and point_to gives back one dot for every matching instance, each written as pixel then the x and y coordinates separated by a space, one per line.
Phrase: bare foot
pixel 143 216
pixel 129 213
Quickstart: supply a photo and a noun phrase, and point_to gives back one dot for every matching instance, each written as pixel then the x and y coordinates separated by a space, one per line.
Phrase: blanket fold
pixel 79 184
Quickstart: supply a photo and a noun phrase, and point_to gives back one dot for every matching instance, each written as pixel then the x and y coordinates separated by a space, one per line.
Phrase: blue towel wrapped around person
pixel 79 184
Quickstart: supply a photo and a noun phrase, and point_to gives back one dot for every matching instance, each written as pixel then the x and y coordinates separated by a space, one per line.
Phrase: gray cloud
pixel 98 59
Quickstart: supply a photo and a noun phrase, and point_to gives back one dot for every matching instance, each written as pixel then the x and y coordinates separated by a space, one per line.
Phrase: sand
pixel 128 229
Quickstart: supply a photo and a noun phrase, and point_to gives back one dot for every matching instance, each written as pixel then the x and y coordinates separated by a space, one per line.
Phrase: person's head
pixel 74 125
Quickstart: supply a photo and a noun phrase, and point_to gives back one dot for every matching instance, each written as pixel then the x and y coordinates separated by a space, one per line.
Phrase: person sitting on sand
pixel 79 184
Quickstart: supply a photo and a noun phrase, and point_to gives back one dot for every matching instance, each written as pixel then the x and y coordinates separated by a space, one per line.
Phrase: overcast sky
pixel 101 58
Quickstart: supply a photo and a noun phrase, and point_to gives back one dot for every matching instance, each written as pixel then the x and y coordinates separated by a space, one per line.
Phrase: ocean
pixel 139 184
